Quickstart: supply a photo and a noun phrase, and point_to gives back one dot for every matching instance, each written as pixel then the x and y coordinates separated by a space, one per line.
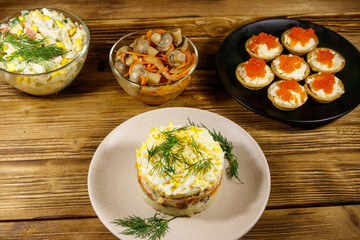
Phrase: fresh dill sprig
pixel 201 166
pixel 227 147
pixel 29 48
pixel 38 54
pixel 195 147
pixel 18 41
pixel 152 228
pixel 168 155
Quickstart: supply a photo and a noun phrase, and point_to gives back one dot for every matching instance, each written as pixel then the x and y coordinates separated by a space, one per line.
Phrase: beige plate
pixel 112 181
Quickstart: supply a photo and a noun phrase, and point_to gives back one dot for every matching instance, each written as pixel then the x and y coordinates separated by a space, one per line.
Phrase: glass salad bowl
pixel 49 76
pixel 146 73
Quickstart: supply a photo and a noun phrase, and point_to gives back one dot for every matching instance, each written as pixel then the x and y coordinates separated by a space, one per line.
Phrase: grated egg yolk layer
pixel 196 145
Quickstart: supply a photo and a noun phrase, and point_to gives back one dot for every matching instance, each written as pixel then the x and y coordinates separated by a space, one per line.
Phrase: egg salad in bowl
pixel 42 50
pixel 179 169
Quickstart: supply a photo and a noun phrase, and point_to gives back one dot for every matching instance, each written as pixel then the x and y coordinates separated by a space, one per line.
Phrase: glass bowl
pixel 151 94
pixel 49 82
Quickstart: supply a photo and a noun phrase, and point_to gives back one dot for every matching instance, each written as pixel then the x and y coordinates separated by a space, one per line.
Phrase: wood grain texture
pixel 140 9
pixel 336 223
pixel 46 143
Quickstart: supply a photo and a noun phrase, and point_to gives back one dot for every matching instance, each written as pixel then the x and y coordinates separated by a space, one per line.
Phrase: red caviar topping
pixel 263 38
pixel 325 56
pixel 298 34
pixel 290 63
pixel 324 81
pixel 285 88
pixel 255 68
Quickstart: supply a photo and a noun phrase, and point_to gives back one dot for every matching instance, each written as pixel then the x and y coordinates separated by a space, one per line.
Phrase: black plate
pixel 232 52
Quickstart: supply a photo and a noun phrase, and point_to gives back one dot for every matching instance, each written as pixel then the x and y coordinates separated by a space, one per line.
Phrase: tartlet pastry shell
pixel 318 98
pixel 280 105
pixel 292 50
pixel 315 69
pixel 249 85
pixel 252 54
pixel 285 76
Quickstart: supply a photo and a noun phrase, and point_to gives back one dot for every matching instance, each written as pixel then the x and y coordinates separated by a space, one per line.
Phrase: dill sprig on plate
pixel 30 48
pixel 227 147
pixel 152 228
pixel 169 154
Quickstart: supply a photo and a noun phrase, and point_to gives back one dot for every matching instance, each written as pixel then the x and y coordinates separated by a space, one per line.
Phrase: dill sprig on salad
pixel 28 48
pixel 169 152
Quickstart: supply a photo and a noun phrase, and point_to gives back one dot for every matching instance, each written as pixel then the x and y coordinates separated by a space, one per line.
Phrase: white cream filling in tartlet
pixel 298 47
pixel 258 80
pixel 337 61
pixel 296 101
pixel 336 88
pixel 297 74
pixel 264 52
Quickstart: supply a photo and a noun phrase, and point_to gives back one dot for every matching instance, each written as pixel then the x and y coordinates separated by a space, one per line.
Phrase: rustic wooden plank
pixel 341 222
pixel 94 10
pixel 337 223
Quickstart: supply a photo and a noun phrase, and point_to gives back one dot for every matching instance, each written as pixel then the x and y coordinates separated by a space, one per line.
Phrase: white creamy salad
pixel 39 41
pixel 46 46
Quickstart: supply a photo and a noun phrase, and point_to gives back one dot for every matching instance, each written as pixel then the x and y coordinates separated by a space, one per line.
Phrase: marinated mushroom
pixel 155 38
pixel 135 42
pixel 130 60
pixel 176 58
pixel 177 36
pixel 141 46
pixel 185 44
pixel 121 67
pixel 136 72
pixel 165 42
pixel 121 50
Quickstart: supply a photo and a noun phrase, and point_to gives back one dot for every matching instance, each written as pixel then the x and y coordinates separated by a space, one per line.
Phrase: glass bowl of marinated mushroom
pixel 153 65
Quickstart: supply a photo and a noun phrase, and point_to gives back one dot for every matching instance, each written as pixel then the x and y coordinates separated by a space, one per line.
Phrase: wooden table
pixel 46 143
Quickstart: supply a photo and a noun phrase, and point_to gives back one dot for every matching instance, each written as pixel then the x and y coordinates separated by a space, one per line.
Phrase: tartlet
pixel 290 67
pixel 287 95
pixel 254 74
pixel 299 41
pixel 264 46
pixel 325 60
pixel 173 179
pixel 324 87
